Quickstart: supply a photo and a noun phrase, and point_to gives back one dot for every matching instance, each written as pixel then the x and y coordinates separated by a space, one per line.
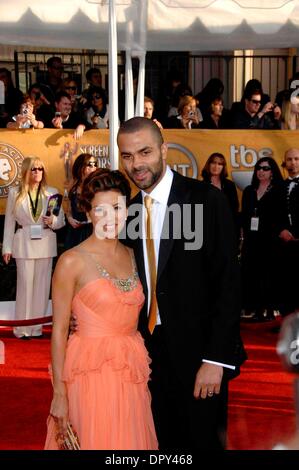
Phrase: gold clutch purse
pixel 70 442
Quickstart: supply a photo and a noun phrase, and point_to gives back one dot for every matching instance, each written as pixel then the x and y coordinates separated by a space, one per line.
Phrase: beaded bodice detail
pixel 124 285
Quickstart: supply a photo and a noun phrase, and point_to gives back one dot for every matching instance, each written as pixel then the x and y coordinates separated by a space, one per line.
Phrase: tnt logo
pixel 2 353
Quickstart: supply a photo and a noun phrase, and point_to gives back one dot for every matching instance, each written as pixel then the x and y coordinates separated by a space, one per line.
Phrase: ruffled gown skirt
pixel 106 372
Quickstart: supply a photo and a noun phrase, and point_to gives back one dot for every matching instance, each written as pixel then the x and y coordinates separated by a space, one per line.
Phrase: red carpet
pixel 261 409
pixel 25 392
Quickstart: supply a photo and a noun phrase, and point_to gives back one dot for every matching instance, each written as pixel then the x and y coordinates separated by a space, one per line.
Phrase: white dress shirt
pixel 160 195
pixel 292 184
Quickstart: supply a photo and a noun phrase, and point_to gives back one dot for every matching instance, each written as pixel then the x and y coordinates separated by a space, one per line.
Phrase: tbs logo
pixel 245 158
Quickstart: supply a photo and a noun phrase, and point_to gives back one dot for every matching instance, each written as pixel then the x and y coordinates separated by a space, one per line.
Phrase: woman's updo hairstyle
pixel 103 180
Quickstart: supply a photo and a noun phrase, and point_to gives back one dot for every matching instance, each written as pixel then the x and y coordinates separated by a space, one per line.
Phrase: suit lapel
pixel 26 208
pixel 178 195
pixel 172 225
pixel 138 244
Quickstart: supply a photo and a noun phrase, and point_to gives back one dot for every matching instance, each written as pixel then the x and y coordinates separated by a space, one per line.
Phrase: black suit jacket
pixel 288 204
pixel 197 290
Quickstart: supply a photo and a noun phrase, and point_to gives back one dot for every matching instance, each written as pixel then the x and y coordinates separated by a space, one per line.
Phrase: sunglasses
pixel 37 168
pixel 92 164
pixel 256 101
pixel 96 97
pixel 264 168
pixel 71 88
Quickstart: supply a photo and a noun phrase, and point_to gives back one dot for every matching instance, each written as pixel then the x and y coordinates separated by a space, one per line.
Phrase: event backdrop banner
pixel 188 152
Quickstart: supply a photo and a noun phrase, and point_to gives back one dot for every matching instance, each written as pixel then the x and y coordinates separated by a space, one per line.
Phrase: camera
pixel 191 114
pixel 57 114
pixel 25 110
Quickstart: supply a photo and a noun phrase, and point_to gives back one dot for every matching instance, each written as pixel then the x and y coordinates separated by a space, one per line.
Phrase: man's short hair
pixel 60 95
pixel 137 124
pixel 291 150
pixel 90 73
pixel 149 100
pixel 52 60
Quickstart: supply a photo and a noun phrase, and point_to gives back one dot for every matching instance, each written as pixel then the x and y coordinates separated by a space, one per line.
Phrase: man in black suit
pixel 195 346
pixel 288 230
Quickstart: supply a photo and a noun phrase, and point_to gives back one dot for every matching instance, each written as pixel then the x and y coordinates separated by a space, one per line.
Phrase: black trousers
pixel 181 421
pixel 287 280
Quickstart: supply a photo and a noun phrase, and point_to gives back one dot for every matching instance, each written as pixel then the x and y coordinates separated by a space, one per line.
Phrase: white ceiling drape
pixel 154 25
pixel 190 25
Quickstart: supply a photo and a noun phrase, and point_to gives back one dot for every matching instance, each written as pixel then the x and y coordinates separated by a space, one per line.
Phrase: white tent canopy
pixel 181 25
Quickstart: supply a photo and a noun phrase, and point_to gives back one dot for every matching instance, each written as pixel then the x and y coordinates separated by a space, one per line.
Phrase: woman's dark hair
pixel 213 88
pixel 276 175
pixel 90 73
pixel 77 170
pixel 217 99
pixel 103 180
pixel 96 90
pixel 180 91
pixel 32 87
pixel 206 174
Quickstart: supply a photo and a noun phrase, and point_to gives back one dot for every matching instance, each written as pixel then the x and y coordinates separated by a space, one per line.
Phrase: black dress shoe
pixel 270 314
pixel 258 316
pixel 25 337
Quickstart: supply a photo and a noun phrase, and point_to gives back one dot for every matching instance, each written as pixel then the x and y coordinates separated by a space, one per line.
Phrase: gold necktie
pixel 152 318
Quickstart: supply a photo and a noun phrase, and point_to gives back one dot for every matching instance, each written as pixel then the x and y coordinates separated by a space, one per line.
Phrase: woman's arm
pixel 9 226
pixel 62 295
pixel 35 123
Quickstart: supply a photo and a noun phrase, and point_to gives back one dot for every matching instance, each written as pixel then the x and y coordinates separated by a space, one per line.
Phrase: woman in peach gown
pixel 100 372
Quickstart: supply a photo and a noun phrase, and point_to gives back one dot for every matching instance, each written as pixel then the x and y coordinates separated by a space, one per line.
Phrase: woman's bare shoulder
pixel 70 260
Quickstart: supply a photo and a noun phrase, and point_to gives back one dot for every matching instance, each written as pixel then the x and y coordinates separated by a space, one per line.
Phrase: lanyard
pixel 35 204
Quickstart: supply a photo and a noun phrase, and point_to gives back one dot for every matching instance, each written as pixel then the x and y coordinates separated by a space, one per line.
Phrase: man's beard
pixel 155 175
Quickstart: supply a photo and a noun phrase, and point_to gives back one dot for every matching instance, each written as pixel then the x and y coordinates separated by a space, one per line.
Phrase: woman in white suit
pixel 32 243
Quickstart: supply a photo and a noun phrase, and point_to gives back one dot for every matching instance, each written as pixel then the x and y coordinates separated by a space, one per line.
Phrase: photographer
pixel 98 112
pixel 149 110
pixel 26 118
pixel 189 116
pixel 79 102
pixel 65 118
pixel 252 116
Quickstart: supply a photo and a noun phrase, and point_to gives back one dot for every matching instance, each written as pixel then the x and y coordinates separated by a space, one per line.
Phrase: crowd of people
pixel 56 102
pixel 59 103
pixel 154 317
